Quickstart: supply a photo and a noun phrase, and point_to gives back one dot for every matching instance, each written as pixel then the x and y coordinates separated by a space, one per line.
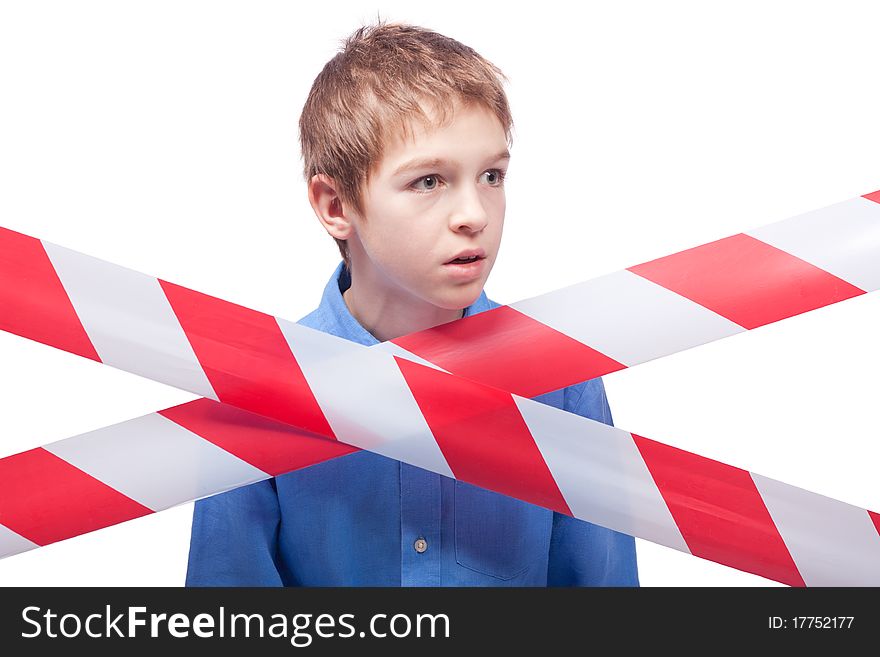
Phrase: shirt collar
pixel 346 326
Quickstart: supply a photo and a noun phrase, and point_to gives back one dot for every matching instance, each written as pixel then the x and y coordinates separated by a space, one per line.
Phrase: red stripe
pixel 33 303
pixel 506 349
pixel 873 196
pixel 273 447
pixel 719 512
pixel 747 281
pixel 45 499
pixel 875 517
pixel 483 436
pixel 246 358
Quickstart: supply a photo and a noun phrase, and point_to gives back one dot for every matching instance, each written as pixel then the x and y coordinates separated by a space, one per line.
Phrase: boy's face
pixel 432 197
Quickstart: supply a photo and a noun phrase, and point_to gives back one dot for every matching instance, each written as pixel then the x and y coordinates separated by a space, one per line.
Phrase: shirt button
pixel 420 545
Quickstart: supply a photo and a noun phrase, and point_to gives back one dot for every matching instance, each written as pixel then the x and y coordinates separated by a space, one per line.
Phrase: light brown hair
pixel 372 90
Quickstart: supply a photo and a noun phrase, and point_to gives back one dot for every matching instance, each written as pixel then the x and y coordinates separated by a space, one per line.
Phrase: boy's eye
pixel 430 183
pixel 496 176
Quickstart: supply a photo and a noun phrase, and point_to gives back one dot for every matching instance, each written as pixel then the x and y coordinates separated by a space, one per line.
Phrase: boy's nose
pixel 469 212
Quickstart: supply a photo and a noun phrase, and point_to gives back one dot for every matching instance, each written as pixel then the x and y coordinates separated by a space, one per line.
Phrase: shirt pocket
pixel 497 535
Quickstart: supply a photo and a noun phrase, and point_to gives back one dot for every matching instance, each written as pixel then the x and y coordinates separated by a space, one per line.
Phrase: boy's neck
pixel 387 316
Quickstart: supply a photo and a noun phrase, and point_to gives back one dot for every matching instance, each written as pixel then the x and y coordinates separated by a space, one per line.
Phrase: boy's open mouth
pixel 465 257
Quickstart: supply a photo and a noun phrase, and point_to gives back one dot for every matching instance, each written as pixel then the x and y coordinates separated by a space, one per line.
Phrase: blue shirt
pixel 357 520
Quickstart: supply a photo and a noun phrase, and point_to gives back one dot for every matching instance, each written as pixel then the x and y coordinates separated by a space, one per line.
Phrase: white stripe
pixel 843 239
pixel 832 543
pixel 129 320
pixel 12 543
pixel 364 397
pixel 397 350
pixel 155 461
pixel 627 317
pixel 601 474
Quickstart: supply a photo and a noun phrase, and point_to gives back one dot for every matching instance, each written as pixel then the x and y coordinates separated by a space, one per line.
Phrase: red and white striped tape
pixel 442 422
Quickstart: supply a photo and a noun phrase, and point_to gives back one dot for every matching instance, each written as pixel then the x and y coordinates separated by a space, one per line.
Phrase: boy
pixel 405 138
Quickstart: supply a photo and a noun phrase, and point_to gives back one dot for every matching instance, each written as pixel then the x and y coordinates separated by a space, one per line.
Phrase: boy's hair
pixel 371 91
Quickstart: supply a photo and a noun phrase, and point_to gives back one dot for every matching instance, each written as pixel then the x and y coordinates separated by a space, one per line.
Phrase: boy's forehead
pixel 469 133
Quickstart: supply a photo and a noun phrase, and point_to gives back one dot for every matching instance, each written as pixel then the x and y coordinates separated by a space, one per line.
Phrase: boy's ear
pixel 328 207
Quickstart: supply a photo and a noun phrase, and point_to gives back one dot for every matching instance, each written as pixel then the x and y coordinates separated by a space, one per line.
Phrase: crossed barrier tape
pixel 446 399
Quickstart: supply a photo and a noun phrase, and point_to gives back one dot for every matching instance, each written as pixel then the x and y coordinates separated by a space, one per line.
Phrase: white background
pixel 163 136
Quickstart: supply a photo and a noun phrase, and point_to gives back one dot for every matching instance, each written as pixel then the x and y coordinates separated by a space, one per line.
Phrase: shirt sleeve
pixel 581 553
pixel 234 538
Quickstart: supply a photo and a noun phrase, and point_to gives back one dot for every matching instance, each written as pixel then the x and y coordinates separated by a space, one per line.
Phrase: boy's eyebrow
pixel 429 162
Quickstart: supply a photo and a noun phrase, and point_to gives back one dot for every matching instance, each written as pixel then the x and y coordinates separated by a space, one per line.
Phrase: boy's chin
pixel 458 299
